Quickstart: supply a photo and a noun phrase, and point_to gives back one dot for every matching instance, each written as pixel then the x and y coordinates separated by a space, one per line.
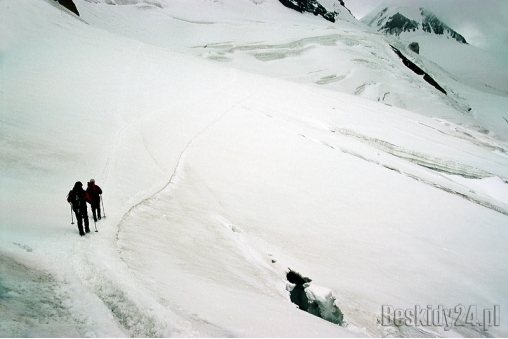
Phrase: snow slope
pixel 216 181
pixel 267 38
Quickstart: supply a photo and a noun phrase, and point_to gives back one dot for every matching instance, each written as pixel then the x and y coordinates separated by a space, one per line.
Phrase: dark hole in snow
pixel 316 301
pixel 415 47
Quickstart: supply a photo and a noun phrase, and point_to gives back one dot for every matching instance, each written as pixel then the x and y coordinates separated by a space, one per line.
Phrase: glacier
pixel 234 143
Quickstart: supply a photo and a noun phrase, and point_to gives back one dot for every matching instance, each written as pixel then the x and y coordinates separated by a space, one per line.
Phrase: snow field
pixel 216 182
pixel 318 208
pixel 348 57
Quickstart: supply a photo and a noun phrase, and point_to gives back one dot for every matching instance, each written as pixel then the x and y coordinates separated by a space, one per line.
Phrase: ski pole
pixel 103 211
pixel 72 217
pixel 93 217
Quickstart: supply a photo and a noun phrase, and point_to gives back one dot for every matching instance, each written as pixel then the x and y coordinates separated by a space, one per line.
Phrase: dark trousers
pixel 96 210
pixel 80 216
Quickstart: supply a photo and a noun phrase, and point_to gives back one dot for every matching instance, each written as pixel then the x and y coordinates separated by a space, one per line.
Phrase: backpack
pixel 77 198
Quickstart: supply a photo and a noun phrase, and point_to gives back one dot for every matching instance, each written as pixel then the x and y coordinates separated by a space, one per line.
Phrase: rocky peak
pixel 400 20
pixel 431 24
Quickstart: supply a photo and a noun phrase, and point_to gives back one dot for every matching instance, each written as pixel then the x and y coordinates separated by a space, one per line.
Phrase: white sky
pixel 359 8
pixel 482 23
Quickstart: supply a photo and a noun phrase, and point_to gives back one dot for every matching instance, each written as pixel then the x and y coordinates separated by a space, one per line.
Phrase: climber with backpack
pixel 78 198
pixel 94 193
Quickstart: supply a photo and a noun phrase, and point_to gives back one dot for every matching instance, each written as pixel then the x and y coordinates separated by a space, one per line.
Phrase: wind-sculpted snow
pixel 33 303
pixel 134 319
pixel 347 71
pixel 272 40
pixel 433 163
pixel 213 204
pixel 425 160
pixel 265 52
pixel 36 303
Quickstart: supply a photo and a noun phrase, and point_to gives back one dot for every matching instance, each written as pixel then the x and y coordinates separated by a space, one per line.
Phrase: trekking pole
pixel 103 211
pixel 94 222
pixel 72 217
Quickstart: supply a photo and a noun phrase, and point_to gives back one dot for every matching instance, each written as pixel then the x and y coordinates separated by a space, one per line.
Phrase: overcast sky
pixel 484 23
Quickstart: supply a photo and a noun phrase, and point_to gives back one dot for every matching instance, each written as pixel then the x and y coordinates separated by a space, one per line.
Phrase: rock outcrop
pixel 415 47
pixel 412 66
pixel 69 4
pixel 314 7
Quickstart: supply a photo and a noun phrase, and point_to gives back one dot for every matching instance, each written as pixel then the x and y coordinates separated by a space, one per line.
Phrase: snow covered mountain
pixel 418 29
pixel 396 20
pixel 252 157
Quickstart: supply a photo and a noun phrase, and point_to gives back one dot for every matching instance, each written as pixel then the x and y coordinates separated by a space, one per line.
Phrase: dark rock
pixel 398 23
pixel 69 5
pixel 300 294
pixel 431 24
pixel 415 47
pixel 311 6
pixel 412 66
pixel 299 297
pixel 296 278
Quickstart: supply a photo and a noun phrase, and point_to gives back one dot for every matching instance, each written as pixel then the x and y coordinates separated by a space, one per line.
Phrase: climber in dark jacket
pixel 78 198
pixel 94 192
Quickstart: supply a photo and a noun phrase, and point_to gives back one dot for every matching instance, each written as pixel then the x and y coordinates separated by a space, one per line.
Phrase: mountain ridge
pixel 399 19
